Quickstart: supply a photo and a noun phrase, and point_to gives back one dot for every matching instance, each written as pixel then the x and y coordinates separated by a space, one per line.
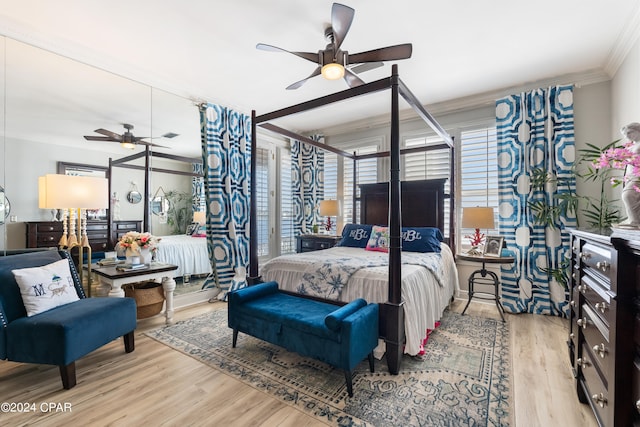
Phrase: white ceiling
pixel 205 49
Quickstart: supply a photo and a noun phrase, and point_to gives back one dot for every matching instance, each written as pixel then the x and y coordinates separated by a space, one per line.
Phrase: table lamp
pixel 200 217
pixel 477 218
pixel 75 194
pixel 329 208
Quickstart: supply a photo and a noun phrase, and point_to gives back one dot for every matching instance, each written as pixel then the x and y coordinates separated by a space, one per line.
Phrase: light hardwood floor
pixel 158 386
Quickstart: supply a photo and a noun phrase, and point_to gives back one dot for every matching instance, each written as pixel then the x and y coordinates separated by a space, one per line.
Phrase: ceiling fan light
pixel 128 145
pixel 332 71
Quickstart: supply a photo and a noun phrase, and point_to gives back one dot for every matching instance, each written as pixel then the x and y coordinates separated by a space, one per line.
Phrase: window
pixel 262 200
pixel 428 165
pixel 478 172
pixel 367 173
pixel 287 238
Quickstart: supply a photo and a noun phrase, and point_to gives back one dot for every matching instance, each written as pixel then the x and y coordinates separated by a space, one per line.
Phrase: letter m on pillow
pixel 38 290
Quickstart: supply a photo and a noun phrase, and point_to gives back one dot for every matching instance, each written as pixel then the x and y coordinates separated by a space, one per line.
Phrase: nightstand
pixel 315 242
pixel 485 277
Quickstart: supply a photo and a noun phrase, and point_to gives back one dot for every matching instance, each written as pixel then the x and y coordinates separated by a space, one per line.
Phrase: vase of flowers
pixel 142 245
pixel 626 158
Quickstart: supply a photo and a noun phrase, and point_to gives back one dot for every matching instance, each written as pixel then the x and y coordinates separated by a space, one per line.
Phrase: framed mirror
pixel 134 196
pixel 159 203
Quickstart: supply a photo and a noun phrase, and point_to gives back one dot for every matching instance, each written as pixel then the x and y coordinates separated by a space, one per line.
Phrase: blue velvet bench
pixel 63 334
pixel 339 336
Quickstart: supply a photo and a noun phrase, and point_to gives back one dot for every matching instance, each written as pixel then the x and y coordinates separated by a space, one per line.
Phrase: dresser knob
pixel 572 303
pixel 583 322
pixel 602 265
pixel 638 406
pixel 601 307
pixel 600 399
pixel 584 255
pixel 572 335
pixel 582 288
pixel 600 349
pixel 582 363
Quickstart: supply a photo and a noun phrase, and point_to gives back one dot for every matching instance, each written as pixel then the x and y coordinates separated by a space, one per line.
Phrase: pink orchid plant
pixel 621 158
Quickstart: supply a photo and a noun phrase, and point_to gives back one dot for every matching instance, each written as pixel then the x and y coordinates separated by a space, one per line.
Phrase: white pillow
pixel 46 287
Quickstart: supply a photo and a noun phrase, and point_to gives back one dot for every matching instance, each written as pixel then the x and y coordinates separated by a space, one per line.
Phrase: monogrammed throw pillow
pixel 46 287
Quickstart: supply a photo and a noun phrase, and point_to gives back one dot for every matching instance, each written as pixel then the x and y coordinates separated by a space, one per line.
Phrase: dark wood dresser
pixel 604 335
pixel 315 242
pixel 46 234
pixel 120 228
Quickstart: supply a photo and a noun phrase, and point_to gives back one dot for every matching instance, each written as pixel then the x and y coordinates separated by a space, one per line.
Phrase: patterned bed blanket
pixel 326 278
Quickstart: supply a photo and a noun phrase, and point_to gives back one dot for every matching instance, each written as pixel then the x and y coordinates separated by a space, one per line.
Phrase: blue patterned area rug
pixel 464 379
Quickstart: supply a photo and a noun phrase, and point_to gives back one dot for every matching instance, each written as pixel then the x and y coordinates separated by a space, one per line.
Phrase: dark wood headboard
pixel 422 203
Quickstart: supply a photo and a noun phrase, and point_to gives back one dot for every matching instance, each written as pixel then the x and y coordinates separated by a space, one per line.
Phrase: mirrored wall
pixel 50 103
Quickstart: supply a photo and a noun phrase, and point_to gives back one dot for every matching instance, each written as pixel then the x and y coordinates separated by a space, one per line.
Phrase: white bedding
pixel 424 298
pixel 188 253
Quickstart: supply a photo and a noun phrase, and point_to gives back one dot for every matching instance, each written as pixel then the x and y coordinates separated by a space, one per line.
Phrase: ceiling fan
pixel 127 139
pixel 333 62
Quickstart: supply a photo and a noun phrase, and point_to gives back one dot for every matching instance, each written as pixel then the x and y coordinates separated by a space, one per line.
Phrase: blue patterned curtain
pixel 307 184
pixel 197 188
pixel 535 131
pixel 226 148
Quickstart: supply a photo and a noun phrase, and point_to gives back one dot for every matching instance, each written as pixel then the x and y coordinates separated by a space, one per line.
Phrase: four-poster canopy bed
pixel 381 205
pixel 190 254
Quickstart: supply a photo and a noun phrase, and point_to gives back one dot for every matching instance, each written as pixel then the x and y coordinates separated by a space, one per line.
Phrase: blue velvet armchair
pixel 61 335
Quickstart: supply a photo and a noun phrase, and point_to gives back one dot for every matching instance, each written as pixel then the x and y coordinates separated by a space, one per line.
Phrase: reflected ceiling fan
pixel 333 62
pixel 127 139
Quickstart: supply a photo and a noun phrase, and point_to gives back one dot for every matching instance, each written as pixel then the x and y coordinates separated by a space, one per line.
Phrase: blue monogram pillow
pixel 355 235
pixel 421 239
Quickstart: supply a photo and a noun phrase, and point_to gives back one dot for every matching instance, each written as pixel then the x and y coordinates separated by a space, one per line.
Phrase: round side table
pixel 485 277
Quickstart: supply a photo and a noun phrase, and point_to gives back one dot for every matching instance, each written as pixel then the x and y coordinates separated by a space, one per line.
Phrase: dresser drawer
pixel 596 338
pixel 596 261
pixel 49 227
pixel 596 390
pixel 96 227
pixel 597 297
pixel 48 239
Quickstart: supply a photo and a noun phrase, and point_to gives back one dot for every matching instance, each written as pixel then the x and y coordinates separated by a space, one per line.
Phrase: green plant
pixel 547 213
pixel 180 210
pixel 601 212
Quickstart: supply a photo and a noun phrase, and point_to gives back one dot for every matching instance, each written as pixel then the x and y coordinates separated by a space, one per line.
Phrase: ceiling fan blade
pixel 341 19
pixel 150 144
pixel 364 67
pixel 297 84
pixel 389 53
pixel 313 57
pixel 100 138
pixel 351 79
pixel 108 133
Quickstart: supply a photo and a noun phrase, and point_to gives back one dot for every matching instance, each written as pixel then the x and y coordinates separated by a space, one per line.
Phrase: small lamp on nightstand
pixel 329 208
pixel 477 218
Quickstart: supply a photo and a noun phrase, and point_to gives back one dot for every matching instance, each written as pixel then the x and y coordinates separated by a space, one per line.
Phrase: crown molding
pixel 626 39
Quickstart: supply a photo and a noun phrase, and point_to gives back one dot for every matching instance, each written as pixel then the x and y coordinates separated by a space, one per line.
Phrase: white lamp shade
pixel 329 208
pixel 200 217
pixel 478 217
pixel 56 191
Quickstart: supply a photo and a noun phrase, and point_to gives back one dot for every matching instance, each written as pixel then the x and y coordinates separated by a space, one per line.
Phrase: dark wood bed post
pixel 452 199
pixel 394 331
pixel 147 189
pixel 111 204
pixel 253 277
pixel 354 189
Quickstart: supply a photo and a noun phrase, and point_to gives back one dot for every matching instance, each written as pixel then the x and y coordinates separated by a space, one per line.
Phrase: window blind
pixel 262 200
pixel 287 238
pixel 428 165
pixel 479 171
